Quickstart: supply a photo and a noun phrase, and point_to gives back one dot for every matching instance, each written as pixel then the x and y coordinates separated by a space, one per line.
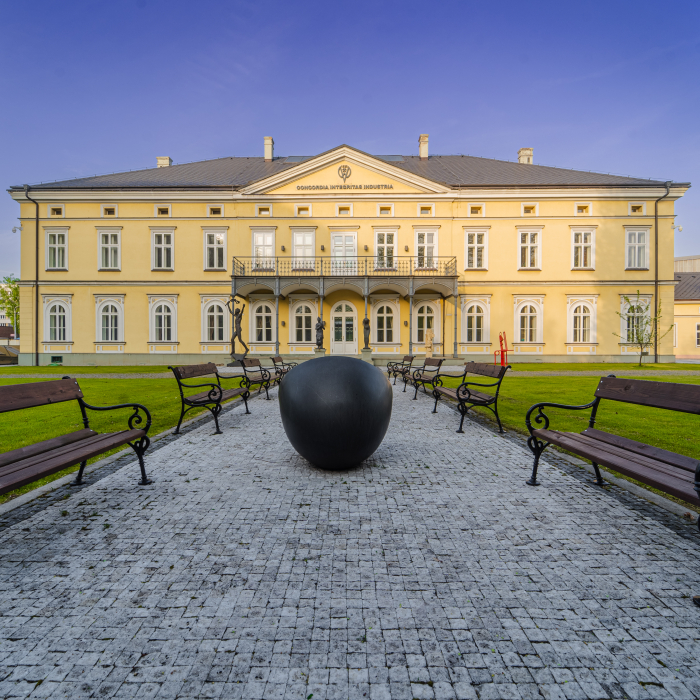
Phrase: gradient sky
pixel 96 87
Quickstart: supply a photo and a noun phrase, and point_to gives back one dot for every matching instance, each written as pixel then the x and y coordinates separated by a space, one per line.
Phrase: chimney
pixel 423 146
pixel 164 161
pixel 525 155
pixel 269 148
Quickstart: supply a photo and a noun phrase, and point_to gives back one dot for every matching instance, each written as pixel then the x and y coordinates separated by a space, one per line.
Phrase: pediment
pixel 344 171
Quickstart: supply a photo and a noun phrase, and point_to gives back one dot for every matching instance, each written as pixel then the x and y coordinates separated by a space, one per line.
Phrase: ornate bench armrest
pixel 135 419
pixel 542 418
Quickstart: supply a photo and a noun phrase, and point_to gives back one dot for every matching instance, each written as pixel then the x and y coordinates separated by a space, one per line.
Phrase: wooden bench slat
pixel 668 395
pixel 14 397
pixel 45 446
pixel 191 371
pixel 226 395
pixel 680 461
pixel 485 370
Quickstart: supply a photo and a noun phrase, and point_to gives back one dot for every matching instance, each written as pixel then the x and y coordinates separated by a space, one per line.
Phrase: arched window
pixel 582 324
pixel 425 321
pixel 528 324
pixel 57 322
pixel 163 323
pixel 303 321
pixel 110 322
pixel 475 324
pixel 263 324
pixel 635 323
pixel 215 322
pixel 385 324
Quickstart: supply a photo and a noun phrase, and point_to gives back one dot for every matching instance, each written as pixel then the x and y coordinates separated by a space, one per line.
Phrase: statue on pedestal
pixel 320 327
pixel 365 328
pixel 237 321
pixel 429 336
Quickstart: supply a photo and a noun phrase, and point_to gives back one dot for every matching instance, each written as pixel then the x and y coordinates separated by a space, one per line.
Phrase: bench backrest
pixel 190 371
pixel 277 360
pixel 408 359
pixel 17 396
pixel 431 364
pixel 251 363
pixel 674 397
pixel 485 369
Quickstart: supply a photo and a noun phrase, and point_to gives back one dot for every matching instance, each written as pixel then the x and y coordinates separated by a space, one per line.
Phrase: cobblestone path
pixel 432 571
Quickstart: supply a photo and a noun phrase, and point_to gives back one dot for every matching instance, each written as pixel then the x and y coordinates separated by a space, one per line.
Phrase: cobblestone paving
pixel 432 571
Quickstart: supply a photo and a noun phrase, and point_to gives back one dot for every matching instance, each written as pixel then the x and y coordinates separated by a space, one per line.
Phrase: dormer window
pixel 263 210
pixel 109 211
pixel 56 210
pixel 216 210
pixel 162 210
pixel 303 210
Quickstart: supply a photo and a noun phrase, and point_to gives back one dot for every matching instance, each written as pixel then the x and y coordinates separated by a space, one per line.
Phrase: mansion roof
pixel 451 171
pixel 688 286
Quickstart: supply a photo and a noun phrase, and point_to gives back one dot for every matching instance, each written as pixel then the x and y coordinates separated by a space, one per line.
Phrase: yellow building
pixel 137 267
pixel 686 330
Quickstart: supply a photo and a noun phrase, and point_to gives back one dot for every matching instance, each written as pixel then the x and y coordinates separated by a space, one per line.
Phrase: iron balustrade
pixel 357 266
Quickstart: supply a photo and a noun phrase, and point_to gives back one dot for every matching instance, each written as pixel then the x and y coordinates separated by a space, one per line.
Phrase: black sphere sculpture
pixel 335 410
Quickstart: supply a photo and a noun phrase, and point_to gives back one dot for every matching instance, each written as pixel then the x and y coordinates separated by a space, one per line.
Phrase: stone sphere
pixel 335 410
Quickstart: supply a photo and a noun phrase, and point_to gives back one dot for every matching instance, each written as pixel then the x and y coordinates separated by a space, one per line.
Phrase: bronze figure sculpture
pixel 320 327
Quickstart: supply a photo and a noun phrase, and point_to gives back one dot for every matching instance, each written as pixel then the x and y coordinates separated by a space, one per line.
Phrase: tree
pixel 642 328
pixel 9 299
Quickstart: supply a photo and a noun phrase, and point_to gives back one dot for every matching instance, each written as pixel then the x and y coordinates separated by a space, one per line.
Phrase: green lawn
pixel 8 371
pixel 159 396
pixel 607 367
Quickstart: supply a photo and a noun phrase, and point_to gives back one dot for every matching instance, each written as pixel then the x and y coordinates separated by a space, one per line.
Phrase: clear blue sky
pixel 96 87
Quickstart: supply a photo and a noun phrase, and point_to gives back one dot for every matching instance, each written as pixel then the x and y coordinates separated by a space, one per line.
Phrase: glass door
pixel 343 330
pixel 344 254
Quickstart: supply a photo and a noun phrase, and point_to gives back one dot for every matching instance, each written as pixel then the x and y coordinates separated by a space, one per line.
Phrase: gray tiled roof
pixel 688 286
pixel 453 171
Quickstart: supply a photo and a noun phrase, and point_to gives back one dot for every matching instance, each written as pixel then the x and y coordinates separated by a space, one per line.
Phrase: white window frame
pixel 254 306
pixel 422 206
pixel 636 204
pixel 64 300
pixel 215 216
pixel 264 229
pixel 675 335
pixel 109 230
pixel 638 229
pixel 258 207
pixel 582 229
pixel 529 204
pixel 154 301
pixel 427 229
pixel 207 302
pixel 384 205
pixel 374 315
pixel 476 230
pixel 55 230
pixel 521 301
pixel 382 230
pixel 476 204
pixel 528 230
pixel 296 303
pixel 572 302
pixel 49 215
pixel 583 204
pixel 206 230
pixel 155 230
pixel 437 318
pixel 109 206
pixel 298 260
pixel 303 216
pixel 644 300
pixel 697 335
pixel 156 207
pixel 485 303
pixel 101 302
pixel 343 216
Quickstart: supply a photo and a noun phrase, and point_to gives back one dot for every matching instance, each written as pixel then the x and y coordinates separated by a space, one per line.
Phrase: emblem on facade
pixel 344 172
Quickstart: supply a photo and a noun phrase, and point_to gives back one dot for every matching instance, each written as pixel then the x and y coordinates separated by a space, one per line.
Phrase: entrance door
pixel 343 330
pixel 344 254
pixel 263 248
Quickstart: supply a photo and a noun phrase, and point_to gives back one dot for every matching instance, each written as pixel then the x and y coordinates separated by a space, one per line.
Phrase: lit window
pixel 163 251
pixel 386 250
pixel 57 322
pixel 425 321
pixel 426 248
pixel 215 245
pixel 582 324
pixel 215 323
pixel 385 325
pixel 475 324
pixel 637 249
pixel 263 324
pixel 109 250
pixel 57 251
pixel 583 241
pixel 476 249
pixel 110 323
pixel 528 324
pixel 529 249
pixel 303 321
pixel 164 323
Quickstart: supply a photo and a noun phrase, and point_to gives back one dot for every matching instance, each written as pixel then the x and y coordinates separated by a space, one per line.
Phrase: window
pixel 385 210
pixel 263 210
pixel 302 210
pixel 583 249
pixel 303 322
pixel 477 209
pixel 216 210
pixel 529 250
pixel 264 249
pixel 635 323
pixel 476 249
pixel 57 250
pixel 109 211
pixel 425 322
pixel 385 324
pixel 302 245
pixel 582 324
pixel 426 210
pixel 56 210
pixel 386 250
pixel 110 250
pixel 426 248
pixel 637 208
pixel 162 210
pixel 528 324
pixel 343 210
pixel 57 322
pixel 697 335
pixel 163 250
pixel 530 209
pixel 164 323
pixel 215 250
pixel 215 323
pixel 475 324
pixel 110 323
pixel 637 249
pixel 582 208
pixel 263 323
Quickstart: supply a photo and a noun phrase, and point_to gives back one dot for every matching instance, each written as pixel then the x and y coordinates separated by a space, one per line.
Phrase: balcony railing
pixel 359 266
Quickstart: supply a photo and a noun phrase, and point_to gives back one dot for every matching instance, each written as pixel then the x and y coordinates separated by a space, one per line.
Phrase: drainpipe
pixel 667 185
pixel 36 276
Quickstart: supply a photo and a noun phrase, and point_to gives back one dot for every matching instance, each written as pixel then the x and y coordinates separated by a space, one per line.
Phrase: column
pixel 277 324
pixel 410 324
pixel 456 298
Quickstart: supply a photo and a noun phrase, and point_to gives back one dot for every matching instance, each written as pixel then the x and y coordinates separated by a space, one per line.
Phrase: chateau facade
pixel 138 267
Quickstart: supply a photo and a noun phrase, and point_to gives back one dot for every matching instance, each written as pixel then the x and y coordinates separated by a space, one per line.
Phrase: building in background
pixel 686 331
pixel 137 267
pixel 687 263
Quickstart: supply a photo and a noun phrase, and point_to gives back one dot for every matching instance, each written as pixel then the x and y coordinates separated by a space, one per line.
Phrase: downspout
pixel 36 276
pixel 667 185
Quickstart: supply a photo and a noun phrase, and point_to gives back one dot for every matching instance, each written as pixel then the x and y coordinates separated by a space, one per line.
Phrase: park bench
pixel 256 375
pixel 211 399
pixel 424 375
pixel 281 367
pixel 27 464
pixel 467 398
pixel 400 369
pixel 666 471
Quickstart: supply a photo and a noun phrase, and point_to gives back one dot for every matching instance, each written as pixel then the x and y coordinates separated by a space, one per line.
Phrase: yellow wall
pixel 687 319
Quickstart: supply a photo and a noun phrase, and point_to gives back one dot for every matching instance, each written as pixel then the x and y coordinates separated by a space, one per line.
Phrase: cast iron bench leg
pixel 598 478
pixel 463 410
pixel 79 479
